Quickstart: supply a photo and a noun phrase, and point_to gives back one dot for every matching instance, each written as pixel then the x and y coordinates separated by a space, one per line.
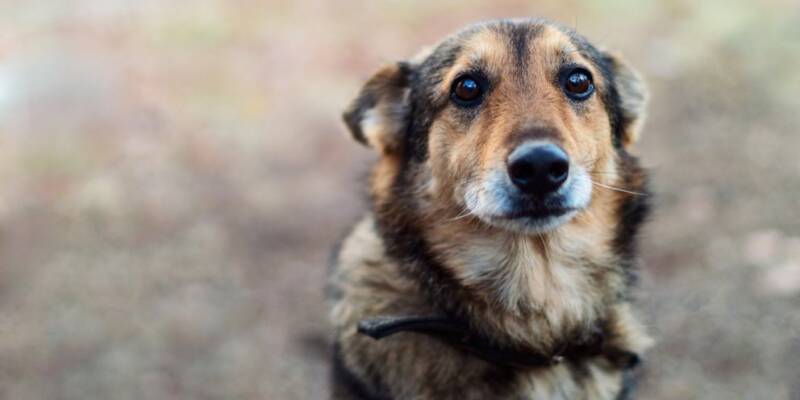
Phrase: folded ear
pixel 378 116
pixel 632 98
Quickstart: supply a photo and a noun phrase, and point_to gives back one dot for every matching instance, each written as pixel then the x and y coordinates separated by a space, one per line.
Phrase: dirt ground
pixel 173 174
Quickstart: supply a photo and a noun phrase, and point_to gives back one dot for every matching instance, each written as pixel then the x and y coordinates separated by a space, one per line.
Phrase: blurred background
pixel 173 175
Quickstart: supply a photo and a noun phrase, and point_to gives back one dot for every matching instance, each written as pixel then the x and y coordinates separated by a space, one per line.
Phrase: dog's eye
pixel 578 84
pixel 467 91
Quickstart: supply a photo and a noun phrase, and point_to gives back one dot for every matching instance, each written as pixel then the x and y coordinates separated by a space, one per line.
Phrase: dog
pixel 499 254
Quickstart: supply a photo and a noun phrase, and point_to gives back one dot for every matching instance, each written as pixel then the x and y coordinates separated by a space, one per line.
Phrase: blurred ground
pixel 172 175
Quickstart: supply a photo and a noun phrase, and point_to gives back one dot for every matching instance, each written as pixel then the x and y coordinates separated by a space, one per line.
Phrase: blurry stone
pixel 760 247
pixel 782 280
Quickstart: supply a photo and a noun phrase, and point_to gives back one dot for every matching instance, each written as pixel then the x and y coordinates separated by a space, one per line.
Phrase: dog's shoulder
pixel 364 281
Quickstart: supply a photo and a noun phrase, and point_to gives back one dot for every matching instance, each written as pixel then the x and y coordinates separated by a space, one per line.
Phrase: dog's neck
pixel 549 287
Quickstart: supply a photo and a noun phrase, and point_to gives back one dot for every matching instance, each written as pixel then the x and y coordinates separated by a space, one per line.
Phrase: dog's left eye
pixel 467 91
pixel 578 84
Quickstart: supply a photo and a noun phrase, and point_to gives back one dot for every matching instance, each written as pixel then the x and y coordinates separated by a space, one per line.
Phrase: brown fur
pixel 421 252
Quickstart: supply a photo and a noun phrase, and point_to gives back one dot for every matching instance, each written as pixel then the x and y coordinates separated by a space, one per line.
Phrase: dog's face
pixel 515 123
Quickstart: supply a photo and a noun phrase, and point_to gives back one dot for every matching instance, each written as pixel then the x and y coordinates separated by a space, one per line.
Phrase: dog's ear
pixel 379 115
pixel 632 98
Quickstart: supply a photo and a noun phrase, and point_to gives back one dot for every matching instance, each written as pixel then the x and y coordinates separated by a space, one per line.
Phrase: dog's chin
pixel 531 221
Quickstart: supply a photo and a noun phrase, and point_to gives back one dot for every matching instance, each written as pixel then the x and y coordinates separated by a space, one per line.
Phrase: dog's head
pixel 517 123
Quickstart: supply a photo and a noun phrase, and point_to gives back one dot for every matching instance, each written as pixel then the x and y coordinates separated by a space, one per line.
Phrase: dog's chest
pixel 561 291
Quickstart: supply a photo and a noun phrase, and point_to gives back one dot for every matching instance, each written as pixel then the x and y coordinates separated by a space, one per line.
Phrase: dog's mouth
pixel 537 213
pixel 532 220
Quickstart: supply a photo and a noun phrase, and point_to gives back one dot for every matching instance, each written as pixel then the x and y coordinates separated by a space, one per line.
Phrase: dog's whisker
pixel 616 189
pixel 602 172
pixel 588 212
pixel 467 212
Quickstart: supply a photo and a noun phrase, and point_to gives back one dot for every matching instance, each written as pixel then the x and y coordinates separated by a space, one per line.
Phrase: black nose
pixel 539 169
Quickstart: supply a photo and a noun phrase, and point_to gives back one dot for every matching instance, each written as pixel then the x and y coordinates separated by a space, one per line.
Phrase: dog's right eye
pixel 578 84
pixel 467 91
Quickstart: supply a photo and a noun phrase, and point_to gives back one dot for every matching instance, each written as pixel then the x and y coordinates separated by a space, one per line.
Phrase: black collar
pixel 459 335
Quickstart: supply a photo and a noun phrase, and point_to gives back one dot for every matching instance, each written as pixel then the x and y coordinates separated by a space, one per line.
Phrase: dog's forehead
pixel 515 42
